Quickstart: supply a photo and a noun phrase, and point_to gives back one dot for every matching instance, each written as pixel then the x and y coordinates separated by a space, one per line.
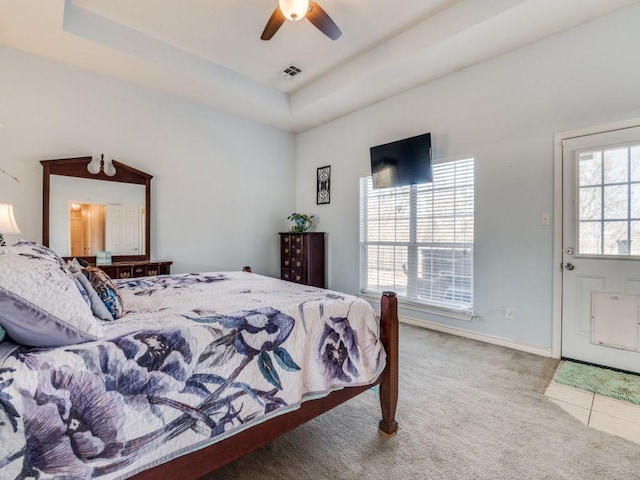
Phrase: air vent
pixel 290 72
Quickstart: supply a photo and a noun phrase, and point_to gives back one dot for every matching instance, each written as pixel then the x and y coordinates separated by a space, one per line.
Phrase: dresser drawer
pixel 150 271
pixel 117 271
pixel 139 270
pixel 296 275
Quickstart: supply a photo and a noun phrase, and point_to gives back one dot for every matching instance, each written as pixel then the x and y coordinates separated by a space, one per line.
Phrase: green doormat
pixel 623 386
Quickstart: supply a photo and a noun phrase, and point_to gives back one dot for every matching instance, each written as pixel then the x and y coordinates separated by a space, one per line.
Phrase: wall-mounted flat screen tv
pixel 403 162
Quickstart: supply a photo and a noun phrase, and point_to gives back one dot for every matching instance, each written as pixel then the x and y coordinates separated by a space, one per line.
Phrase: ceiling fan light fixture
pixel 294 9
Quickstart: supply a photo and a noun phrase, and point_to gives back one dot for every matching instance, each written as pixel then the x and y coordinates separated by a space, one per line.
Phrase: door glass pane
pixel 590 168
pixel 615 165
pixel 635 200
pixel 590 203
pixel 590 238
pixel 634 248
pixel 616 202
pixel 609 201
pixel 616 241
pixel 634 156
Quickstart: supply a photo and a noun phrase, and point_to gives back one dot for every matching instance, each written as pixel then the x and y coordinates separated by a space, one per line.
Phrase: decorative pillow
pixel 82 290
pixel 97 306
pixel 106 290
pixel 74 266
pixel 40 304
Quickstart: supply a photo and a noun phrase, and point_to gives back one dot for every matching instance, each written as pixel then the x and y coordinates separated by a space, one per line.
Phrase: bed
pixel 182 373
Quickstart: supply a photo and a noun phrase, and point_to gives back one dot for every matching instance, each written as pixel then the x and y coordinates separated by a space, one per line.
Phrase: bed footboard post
pixel 389 384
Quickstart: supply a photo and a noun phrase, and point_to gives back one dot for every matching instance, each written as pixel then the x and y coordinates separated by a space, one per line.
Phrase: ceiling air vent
pixel 290 72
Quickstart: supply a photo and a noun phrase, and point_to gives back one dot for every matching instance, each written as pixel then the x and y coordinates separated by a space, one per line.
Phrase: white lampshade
pixel 294 9
pixel 8 223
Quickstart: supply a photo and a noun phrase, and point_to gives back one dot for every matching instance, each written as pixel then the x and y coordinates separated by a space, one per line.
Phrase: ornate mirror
pixel 83 213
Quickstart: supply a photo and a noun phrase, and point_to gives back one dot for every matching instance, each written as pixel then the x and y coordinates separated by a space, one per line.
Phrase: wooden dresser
pixel 136 269
pixel 302 258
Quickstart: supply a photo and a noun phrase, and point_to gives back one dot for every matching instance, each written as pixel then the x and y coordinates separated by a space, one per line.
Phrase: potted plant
pixel 301 222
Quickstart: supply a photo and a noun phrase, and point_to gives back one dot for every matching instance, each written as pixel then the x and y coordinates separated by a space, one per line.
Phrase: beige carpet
pixel 467 410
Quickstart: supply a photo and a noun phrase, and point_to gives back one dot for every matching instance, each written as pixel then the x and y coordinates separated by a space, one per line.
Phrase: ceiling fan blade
pixel 322 21
pixel 275 22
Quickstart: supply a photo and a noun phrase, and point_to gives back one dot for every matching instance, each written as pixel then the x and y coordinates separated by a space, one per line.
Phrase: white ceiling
pixel 210 51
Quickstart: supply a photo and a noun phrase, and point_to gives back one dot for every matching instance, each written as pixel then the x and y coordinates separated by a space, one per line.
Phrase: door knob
pixel 569 266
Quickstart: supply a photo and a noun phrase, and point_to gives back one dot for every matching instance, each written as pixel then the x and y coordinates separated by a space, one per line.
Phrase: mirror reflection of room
pixel 87 228
pixel 114 228
pixel 89 216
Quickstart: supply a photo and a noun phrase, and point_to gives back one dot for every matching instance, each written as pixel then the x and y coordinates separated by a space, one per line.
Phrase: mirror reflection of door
pixel 87 228
pixel 123 229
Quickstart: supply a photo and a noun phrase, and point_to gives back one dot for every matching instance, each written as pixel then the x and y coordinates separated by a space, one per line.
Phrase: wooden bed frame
pixel 196 464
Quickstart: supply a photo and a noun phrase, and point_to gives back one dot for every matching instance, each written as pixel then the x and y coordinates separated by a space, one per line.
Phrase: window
pixel 418 240
pixel 609 201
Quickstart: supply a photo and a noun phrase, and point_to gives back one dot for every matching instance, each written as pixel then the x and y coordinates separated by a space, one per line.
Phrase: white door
pixel 123 229
pixel 601 248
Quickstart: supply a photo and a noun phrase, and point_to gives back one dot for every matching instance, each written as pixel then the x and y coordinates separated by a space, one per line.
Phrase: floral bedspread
pixel 196 358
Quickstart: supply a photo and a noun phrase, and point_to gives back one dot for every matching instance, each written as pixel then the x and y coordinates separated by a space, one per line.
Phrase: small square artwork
pixel 324 185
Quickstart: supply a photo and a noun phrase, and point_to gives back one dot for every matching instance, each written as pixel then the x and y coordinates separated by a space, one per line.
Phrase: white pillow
pixel 40 304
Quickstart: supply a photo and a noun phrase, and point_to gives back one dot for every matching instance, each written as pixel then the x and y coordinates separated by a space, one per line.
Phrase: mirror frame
pixel 77 167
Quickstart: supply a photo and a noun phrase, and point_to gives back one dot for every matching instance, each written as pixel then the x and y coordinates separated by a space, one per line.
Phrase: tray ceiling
pixel 209 51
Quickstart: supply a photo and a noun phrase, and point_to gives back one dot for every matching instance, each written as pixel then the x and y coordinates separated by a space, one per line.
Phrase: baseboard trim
pixel 460 332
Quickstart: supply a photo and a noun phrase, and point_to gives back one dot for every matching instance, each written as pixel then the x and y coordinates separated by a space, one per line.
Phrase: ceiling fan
pixel 297 10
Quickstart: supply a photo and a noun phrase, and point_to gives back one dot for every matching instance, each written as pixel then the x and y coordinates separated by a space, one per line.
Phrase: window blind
pixel 418 240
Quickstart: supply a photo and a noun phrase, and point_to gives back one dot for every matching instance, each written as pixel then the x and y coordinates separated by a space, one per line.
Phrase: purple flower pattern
pixel 202 379
pixel 73 421
pixel 338 350
pixel 259 330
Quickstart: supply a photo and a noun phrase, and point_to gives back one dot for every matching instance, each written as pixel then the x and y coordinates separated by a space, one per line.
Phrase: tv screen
pixel 403 162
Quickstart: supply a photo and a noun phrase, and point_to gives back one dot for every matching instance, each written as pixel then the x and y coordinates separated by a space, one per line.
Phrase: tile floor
pixel 603 413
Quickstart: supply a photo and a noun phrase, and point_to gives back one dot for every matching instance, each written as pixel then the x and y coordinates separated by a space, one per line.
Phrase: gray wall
pixel 504 112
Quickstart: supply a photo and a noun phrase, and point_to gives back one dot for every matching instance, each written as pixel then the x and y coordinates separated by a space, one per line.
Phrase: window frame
pixel 411 300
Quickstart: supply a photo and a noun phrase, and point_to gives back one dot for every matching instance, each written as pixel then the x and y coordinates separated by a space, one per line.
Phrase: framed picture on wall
pixel 324 185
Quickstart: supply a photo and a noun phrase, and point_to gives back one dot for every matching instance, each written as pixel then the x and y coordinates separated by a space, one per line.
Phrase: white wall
pixel 222 186
pixel 503 112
